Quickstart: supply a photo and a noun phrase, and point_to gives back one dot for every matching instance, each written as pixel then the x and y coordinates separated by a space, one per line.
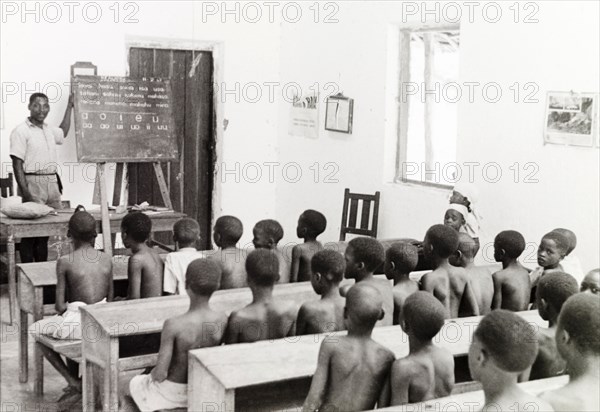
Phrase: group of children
pixel 356 373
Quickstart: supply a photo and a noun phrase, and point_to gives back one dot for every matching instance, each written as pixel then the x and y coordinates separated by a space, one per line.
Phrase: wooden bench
pixel 474 400
pixel 221 376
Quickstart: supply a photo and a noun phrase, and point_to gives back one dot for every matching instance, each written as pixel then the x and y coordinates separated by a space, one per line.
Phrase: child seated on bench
pixel 200 327
pixel 504 345
pixel 145 267
pixel 400 259
pixel 353 372
pixel 449 284
pixel 186 232
pixel 552 292
pixel 264 318
pixel 570 263
pixel 551 251
pixel 227 232
pixel 363 256
pixel 326 314
pixel 83 277
pixel 511 284
pixel 267 234
pixel 310 225
pixel 428 371
pixel 480 277
pixel 591 282
pixel 578 342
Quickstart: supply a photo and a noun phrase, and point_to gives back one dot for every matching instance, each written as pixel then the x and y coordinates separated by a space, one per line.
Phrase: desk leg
pixel 89 402
pixel 203 386
pixel 12 279
pixel 110 386
pixel 23 348
pixel 38 356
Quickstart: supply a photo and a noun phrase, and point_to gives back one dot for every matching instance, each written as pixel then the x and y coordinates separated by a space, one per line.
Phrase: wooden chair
pixel 350 214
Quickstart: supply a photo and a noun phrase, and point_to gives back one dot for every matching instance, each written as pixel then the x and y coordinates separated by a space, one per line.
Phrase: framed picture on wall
pixel 338 113
pixel 571 119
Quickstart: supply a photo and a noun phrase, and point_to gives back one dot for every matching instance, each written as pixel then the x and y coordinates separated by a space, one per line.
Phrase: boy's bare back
pixel 357 372
pixel 320 316
pixel 483 287
pixel 450 285
pixel 192 330
pixel 88 274
pixel 233 264
pixel 426 375
pixel 548 362
pixel 301 256
pixel 148 265
pixel 511 289
pixel 401 291
pixel 261 321
pixel 385 288
pixel 284 267
pixel 437 283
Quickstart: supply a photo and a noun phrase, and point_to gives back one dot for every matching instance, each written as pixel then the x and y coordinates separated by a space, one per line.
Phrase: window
pixel 426 103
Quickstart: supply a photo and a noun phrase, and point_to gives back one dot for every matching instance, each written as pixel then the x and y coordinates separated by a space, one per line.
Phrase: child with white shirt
pixel 186 232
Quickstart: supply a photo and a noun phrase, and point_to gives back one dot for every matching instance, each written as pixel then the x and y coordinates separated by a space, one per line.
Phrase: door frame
pixel 217 49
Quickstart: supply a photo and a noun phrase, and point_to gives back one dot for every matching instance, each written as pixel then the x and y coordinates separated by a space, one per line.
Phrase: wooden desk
pixel 13 229
pixel 474 401
pixel 215 374
pixel 34 278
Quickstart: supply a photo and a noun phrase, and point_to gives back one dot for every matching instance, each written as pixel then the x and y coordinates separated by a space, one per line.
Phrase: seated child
pixel 504 346
pixel 466 194
pixel 401 259
pixel 145 267
pixel 353 373
pixel 267 234
pixel 578 342
pixel 480 277
pixel 326 314
pixel 570 263
pixel 200 327
pixel 428 370
pixel 449 284
pixel 186 232
pixel 551 251
pixel 227 232
pixel 511 284
pixel 83 277
pixel 264 318
pixel 552 292
pixel 591 282
pixel 363 256
pixel 310 225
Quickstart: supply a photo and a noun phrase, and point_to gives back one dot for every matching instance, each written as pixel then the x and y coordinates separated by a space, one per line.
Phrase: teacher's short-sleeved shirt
pixel 36 146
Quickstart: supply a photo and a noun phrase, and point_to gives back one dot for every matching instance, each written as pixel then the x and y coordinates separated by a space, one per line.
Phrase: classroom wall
pixel 355 54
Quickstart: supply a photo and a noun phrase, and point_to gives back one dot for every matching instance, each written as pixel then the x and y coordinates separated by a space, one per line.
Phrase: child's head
pixel 363 255
pixel 570 235
pixel 202 277
pixel 503 342
pixel 423 316
pixel 186 232
pixel 267 234
pixel 227 231
pixel 578 332
pixel 455 216
pixel 262 267
pixel 553 248
pixel 311 224
pixel 327 268
pixel 591 282
pixel 364 307
pixel 508 245
pixel 467 249
pixel 135 228
pixel 440 241
pixel 552 291
pixel 82 227
pixel 400 258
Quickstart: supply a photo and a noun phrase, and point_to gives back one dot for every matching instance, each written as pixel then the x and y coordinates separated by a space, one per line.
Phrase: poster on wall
pixel 339 113
pixel 304 116
pixel 571 119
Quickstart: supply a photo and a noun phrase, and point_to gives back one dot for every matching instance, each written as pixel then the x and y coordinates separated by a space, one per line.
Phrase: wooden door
pixel 190 179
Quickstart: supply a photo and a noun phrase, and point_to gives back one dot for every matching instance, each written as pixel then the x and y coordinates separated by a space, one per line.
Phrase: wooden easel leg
pixel 104 209
pixel 164 190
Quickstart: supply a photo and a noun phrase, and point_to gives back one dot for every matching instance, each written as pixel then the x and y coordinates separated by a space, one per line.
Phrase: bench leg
pixel 38 366
pixel 12 279
pixel 23 349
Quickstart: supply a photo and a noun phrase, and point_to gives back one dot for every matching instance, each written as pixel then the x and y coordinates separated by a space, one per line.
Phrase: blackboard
pixel 122 119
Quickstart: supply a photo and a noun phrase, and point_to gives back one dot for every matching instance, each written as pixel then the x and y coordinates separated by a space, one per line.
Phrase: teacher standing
pixel 34 159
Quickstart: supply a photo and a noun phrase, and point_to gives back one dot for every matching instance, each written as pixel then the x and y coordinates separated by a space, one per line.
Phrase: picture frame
pixel 571 119
pixel 338 113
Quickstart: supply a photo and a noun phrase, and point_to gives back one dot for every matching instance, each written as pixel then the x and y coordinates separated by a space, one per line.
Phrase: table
pixel 12 229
